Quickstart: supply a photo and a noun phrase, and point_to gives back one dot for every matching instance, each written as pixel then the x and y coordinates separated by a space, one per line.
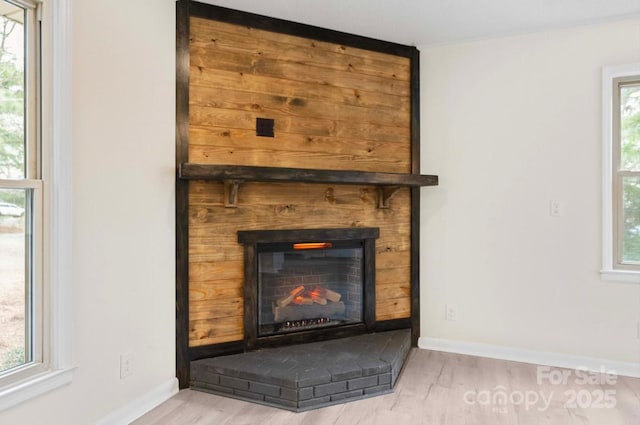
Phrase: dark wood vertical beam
pixel 369 283
pixel 182 193
pixel 415 198
pixel 250 296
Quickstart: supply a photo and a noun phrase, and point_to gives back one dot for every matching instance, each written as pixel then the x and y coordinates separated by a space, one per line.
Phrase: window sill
pixel 34 386
pixel 624 276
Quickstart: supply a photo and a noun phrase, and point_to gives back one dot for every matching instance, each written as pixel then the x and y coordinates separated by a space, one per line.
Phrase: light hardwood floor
pixel 440 389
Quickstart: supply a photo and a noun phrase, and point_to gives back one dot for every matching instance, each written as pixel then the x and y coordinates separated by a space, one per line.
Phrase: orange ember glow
pixel 312 245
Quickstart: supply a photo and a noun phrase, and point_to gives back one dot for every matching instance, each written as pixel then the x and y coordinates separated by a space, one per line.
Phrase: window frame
pixel 51 188
pixel 613 269
pixel 619 174
pixel 31 182
pixel 35 345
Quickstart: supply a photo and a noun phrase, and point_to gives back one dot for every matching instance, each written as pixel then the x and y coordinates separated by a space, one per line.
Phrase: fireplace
pixel 308 285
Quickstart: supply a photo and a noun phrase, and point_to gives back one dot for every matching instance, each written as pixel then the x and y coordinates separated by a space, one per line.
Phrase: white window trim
pixel 608 272
pixel 58 282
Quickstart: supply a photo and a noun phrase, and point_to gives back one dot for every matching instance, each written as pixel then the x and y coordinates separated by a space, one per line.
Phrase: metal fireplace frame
pixel 251 238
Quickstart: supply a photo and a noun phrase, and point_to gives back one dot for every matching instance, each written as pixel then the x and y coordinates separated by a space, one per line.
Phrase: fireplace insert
pixel 307 285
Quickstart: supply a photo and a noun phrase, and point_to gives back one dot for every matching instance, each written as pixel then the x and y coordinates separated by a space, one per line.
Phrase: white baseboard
pixel 530 356
pixel 138 407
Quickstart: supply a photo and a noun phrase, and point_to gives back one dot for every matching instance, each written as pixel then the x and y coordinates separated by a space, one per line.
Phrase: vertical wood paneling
pixel 216 258
pixel 335 107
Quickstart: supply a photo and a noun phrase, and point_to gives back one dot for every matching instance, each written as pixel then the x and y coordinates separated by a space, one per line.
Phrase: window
pixel 621 176
pixel 626 168
pixel 21 211
pixel 34 199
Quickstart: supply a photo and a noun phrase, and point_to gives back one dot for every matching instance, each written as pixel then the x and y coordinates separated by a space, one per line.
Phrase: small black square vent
pixel 264 127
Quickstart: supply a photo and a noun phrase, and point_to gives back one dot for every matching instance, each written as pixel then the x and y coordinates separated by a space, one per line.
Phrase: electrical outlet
pixel 126 365
pixel 451 313
pixel 555 208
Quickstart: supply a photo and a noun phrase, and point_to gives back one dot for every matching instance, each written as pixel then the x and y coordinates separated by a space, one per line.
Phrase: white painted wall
pixel 123 169
pixel 510 124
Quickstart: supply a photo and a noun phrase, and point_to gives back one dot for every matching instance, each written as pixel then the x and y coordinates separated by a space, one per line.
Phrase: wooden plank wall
pixel 334 107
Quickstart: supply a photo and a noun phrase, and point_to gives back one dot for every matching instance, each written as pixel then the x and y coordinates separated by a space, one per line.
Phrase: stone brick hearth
pixel 308 376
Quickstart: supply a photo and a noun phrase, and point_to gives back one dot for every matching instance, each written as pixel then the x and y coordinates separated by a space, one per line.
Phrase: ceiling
pixel 428 22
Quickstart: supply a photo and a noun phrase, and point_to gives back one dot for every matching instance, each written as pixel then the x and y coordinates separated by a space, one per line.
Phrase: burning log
pixel 327 293
pixel 318 299
pixel 303 300
pixel 283 302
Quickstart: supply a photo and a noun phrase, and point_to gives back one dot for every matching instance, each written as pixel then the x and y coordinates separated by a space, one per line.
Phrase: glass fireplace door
pixel 309 285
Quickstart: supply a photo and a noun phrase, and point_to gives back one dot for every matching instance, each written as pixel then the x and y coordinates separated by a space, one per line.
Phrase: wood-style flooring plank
pixel 435 388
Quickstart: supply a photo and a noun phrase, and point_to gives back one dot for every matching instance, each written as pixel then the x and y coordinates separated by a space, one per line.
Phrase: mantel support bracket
pixel 385 193
pixel 231 188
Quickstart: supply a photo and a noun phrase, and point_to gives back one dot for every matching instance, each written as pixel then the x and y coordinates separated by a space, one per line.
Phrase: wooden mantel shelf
pixel 192 171
pixel 233 175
